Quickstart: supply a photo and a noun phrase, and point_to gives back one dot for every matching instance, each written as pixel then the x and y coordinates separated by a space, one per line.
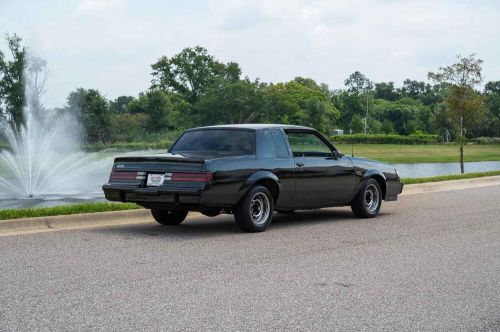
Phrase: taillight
pixel 190 177
pixel 121 175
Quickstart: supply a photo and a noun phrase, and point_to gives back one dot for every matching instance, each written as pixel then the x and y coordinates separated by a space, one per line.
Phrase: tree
pixel 125 127
pixel 413 89
pixel 157 108
pixel 191 72
pixel 296 103
pixel 464 104
pixel 320 114
pixel 374 125
pixel 492 92
pixel 277 105
pixel 492 104
pixel 137 105
pixel 357 125
pixel 406 115
pixel 387 127
pixel 91 109
pixel 386 91
pixel 426 93
pixel 348 104
pixel 357 84
pixel 11 81
pixel 231 102
pixel 119 105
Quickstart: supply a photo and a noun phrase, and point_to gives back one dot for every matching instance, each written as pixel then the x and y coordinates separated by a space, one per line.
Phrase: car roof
pixel 253 126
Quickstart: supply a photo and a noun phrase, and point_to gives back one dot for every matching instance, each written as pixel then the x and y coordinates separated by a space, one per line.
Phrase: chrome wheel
pixel 260 208
pixel 372 198
pixel 255 211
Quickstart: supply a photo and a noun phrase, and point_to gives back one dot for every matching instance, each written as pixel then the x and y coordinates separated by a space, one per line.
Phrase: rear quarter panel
pixel 233 177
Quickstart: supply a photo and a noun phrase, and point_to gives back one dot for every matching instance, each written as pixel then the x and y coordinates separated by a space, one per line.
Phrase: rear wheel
pixel 169 217
pixel 255 211
pixel 368 201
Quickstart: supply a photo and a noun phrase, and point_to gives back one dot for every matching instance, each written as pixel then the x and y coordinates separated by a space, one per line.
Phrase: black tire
pixel 368 201
pixel 169 217
pixel 255 211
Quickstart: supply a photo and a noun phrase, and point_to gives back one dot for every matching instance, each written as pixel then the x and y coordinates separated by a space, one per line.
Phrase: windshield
pixel 216 142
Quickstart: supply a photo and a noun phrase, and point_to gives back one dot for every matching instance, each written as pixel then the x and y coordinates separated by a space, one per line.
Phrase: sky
pixel 110 45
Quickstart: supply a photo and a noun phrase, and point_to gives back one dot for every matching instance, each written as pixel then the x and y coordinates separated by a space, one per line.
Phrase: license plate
pixel 155 180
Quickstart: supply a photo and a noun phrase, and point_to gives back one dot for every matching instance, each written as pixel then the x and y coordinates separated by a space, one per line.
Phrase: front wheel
pixel 255 211
pixel 169 217
pixel 368 201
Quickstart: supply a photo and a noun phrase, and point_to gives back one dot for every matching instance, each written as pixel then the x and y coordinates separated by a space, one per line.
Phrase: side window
pixel 307 145
pixel 266 148
pixel 281 147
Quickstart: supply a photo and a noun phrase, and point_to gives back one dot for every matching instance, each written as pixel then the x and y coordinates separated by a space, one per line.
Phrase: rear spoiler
pixel 181 159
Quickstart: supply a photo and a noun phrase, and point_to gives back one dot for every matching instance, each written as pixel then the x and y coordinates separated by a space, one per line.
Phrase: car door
pixel 324 177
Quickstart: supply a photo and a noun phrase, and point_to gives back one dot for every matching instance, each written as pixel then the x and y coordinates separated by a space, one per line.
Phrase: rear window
pixel 216 142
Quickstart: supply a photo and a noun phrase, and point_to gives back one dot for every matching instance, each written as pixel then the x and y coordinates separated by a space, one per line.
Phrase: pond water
pixel 93 193
pixel 435 169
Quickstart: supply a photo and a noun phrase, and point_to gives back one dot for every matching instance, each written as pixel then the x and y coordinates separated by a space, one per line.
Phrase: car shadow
pixel 225 225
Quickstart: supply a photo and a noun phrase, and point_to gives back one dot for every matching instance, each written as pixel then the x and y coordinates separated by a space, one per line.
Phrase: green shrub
pixel 127 127
pixel 162 145
pixel 485 140
pixel 388 139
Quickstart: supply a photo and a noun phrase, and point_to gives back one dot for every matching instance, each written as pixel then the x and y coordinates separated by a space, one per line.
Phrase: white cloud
pixel 98 6
pixel 109 45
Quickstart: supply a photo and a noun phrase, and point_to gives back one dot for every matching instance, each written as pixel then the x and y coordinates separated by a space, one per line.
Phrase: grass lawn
pixel 411 154
pixel 449 177
pixel 65 209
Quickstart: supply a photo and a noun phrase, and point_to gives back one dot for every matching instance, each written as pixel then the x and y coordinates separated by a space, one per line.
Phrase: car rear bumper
pixel 157 196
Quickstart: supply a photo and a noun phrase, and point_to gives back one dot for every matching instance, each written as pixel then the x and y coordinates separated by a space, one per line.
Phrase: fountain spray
pixel 44 155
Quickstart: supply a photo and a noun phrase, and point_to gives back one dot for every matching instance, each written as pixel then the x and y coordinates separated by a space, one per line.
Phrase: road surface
pixel 428 262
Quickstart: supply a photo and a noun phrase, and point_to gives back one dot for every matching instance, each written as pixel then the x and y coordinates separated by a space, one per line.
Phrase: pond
pixel 435 169
pixel 93 193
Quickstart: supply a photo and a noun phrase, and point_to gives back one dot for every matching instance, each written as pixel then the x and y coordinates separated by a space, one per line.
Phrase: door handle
pixel 299 164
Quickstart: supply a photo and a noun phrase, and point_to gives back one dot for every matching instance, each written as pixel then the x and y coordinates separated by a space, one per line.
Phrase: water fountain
pixel 44 159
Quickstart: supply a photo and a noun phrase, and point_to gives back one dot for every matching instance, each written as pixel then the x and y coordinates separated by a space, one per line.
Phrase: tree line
pixel 193 88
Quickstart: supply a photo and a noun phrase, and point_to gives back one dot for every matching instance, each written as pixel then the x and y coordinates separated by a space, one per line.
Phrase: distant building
pixel 338 132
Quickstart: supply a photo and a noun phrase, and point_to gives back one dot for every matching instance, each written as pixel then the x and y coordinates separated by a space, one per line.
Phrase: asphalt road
pixel 429 262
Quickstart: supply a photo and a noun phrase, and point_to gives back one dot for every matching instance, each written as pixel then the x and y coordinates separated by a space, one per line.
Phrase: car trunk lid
pixel 160 171
pixel 161 163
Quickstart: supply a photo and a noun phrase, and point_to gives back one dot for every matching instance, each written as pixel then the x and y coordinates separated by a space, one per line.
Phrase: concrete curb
pixel 429 187
pixel 73 221
pixel 116 218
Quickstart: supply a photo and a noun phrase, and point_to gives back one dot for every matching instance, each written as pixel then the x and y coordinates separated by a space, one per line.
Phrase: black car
pixel 251 170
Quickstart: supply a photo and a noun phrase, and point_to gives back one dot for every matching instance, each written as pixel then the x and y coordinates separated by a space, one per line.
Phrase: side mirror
pixel 335 155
